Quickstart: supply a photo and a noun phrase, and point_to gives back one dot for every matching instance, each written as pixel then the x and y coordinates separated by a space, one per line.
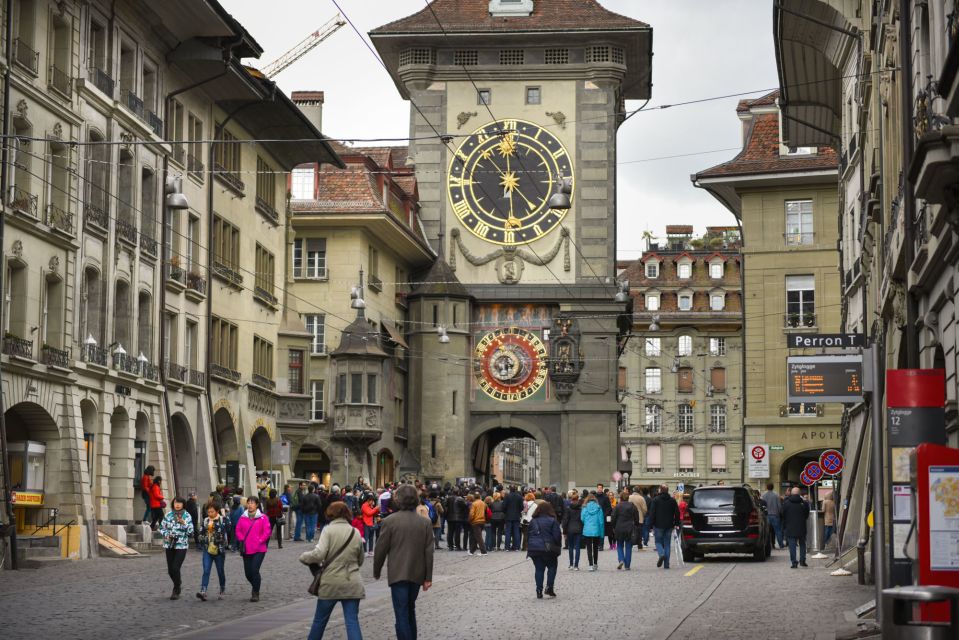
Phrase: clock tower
pixel 513 104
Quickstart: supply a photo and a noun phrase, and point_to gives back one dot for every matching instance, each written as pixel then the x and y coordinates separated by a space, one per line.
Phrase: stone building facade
pixel 519 282
pixel 786 203
pixel 681 369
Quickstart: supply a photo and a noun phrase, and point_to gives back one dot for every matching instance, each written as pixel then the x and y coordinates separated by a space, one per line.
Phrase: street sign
pixel 831 462
pixel 776 447
pixel 824 378
pixel 803 478
pixel 280 452
pixel 681 487
pixel 813 471
pixel 813 340
pixel 758 461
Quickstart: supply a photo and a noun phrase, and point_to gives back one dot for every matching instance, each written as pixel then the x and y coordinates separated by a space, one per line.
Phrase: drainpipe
pixel 4 177
pixel 227 56
pixel 742 349
pixel 908 197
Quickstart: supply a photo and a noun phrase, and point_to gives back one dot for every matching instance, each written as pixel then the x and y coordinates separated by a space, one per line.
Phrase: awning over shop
pixel 394 333
pixel 812 39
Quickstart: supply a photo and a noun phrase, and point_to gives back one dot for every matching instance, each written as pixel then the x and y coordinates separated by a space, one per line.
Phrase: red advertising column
pixel 936 483
pixel 915 407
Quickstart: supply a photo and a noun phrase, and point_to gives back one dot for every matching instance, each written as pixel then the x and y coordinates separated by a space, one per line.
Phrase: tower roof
pixel 470 16
pixel 441 280
pixel 359 339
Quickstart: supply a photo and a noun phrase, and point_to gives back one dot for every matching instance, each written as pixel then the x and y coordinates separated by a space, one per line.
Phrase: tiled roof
pixel 767 100
pixel 307 96
pixel 458 16
pixel 680 229
pixel 343 190
pixel 761 154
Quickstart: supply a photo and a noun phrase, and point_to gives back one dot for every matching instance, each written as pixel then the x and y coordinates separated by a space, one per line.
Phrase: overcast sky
pixel 702 48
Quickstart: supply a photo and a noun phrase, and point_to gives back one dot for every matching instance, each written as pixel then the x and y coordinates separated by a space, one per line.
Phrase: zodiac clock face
pixel 510 364
pixel 500 180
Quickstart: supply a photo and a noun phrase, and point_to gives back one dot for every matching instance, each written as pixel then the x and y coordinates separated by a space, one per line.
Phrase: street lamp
pixel 623 294
pixel 174 194
pixel 561 199
pixel 444 338
pixel 654 325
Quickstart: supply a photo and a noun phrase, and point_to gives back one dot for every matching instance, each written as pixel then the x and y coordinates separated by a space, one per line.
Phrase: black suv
pixel 726 519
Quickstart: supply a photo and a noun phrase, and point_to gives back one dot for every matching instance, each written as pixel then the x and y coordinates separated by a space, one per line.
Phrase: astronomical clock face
pixel 501 178
pixel 510 364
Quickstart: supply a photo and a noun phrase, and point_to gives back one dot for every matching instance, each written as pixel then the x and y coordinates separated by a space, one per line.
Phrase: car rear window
pixel 720 499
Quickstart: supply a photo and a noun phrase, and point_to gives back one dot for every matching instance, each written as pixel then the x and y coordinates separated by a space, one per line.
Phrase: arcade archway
pixel 33 442
pixel 120 502
pixel 510 456
pixel 185 454
pixel 312 464
pixel 385 468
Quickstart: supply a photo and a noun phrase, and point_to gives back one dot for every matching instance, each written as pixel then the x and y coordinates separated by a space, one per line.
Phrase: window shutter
pixel 685 380
pixel 686 456
pixel 717 377
pixel 718 456
pixel 654 457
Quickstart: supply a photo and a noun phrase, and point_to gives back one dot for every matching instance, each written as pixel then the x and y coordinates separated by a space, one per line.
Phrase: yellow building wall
pixel 768 260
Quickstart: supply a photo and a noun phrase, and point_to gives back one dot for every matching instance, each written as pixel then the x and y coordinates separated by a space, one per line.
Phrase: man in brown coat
pixel 640 503
pixel 407 540
pixel 477 523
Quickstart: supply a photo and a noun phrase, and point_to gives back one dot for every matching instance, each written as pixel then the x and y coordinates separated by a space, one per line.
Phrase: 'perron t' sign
pixel 816 340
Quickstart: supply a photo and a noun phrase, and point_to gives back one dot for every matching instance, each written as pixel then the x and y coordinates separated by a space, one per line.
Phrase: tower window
pixel 534 95
pixel 484 96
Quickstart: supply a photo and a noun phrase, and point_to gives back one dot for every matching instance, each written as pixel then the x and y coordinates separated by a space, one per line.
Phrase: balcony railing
pixel 196 282
pixel 921 229
pixel 375 283
pixel 194 166
pixel 264 296
pixel 59 219
pixel 25 56
pixel 61 81
pixel 227 273
pixel 807 237
pixel 126 363
pixel 134 103
pixel 96 217
pixel 263 381
pixel 176 372
pixel 127 231
pixel 54 357
pixel 175 272
pixel 102 81
pixel 155 122
pixel 148 245
pixel 796 320
pixel 230 178
pixel 94 354
pixel 179 153
pixel 18 347
pixel 224 372
pixel 197 378
pixel 150 371
pixel 23 201
pixel 267 209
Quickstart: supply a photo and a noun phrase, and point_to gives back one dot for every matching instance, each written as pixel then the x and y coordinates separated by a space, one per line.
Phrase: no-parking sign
pixel 831 462
pixel 758 459
pixel 811 474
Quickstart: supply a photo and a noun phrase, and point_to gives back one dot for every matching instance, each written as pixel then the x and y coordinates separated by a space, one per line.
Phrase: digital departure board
pixel 824 378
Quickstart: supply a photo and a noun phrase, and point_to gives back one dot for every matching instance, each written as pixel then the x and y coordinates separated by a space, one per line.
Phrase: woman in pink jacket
pixel 253 531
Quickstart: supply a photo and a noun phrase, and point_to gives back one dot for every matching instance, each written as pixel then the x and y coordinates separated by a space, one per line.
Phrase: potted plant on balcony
pixel 792 320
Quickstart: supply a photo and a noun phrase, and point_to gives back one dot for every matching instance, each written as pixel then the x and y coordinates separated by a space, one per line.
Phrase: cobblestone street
pixel 472 597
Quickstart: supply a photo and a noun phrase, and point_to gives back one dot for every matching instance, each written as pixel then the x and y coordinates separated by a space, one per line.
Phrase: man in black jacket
pixel 607 508
pixel 795 512
pixel 514 511
pixel 310 508
pixel 664 517
pixel 457 513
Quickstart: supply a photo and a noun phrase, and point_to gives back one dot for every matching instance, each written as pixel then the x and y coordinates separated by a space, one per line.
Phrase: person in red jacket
pixel 157 502
pixel 146 481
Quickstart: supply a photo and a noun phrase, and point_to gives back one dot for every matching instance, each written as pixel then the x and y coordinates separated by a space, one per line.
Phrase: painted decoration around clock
pixel 501 178
pixel 510 364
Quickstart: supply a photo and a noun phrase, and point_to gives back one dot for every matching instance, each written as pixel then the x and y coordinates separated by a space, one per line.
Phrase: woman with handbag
pixel 253 532
pixel 338 556
pixel 157 502
pixel 214 542
pixel 176 529
pixel 625 525
pixel 544 545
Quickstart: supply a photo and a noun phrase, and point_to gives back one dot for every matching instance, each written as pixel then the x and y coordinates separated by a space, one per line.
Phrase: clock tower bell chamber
pixel 510 100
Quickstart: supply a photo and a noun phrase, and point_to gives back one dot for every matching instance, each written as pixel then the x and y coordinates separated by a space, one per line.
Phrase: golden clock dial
pixel 501 178
pixel 510 364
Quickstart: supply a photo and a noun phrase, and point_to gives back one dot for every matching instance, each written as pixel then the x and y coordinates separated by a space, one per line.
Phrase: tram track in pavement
pixel 671 625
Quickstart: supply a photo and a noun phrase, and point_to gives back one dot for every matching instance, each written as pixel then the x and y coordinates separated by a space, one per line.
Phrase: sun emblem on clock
pixel 501 178
pixel 510 364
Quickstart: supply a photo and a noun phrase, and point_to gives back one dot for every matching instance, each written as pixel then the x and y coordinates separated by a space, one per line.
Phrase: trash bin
pixel 814 530
pixel 900 609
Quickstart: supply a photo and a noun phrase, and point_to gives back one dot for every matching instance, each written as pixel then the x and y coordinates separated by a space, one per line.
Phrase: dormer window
pixel 800 151
pixel 510 8
pixel 652 269
pixel 716 269
pixel 684 270
pixel 685 300
pixel 717 300
pixel 652 301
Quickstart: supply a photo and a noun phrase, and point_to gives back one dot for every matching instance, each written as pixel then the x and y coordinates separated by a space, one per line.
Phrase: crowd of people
pixel 400 526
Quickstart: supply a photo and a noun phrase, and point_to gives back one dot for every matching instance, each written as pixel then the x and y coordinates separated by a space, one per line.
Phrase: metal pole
pixel 878 483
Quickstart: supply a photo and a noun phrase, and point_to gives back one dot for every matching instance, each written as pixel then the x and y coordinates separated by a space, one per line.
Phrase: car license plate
pixel 720 519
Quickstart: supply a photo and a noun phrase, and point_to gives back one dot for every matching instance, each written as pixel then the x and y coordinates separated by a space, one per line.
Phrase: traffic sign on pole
pixel 803 478
pixel 758 461
pixel 831 462
pixel 813 471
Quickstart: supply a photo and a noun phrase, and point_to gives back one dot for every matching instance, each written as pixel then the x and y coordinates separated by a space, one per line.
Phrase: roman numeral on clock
pixel 461 208
pixel 460 182
pixel 481 229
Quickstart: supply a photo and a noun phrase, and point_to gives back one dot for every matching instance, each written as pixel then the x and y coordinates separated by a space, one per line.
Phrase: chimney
pixel 311 104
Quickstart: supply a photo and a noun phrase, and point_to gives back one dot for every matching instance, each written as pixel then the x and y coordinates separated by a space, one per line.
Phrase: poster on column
pixel 944 518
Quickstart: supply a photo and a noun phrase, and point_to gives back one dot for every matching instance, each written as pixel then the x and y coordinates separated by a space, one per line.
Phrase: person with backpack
pixel 436 517
pixel 498 519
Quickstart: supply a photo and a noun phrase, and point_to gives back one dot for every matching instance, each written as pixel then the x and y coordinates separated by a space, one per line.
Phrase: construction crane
pixel 303 47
